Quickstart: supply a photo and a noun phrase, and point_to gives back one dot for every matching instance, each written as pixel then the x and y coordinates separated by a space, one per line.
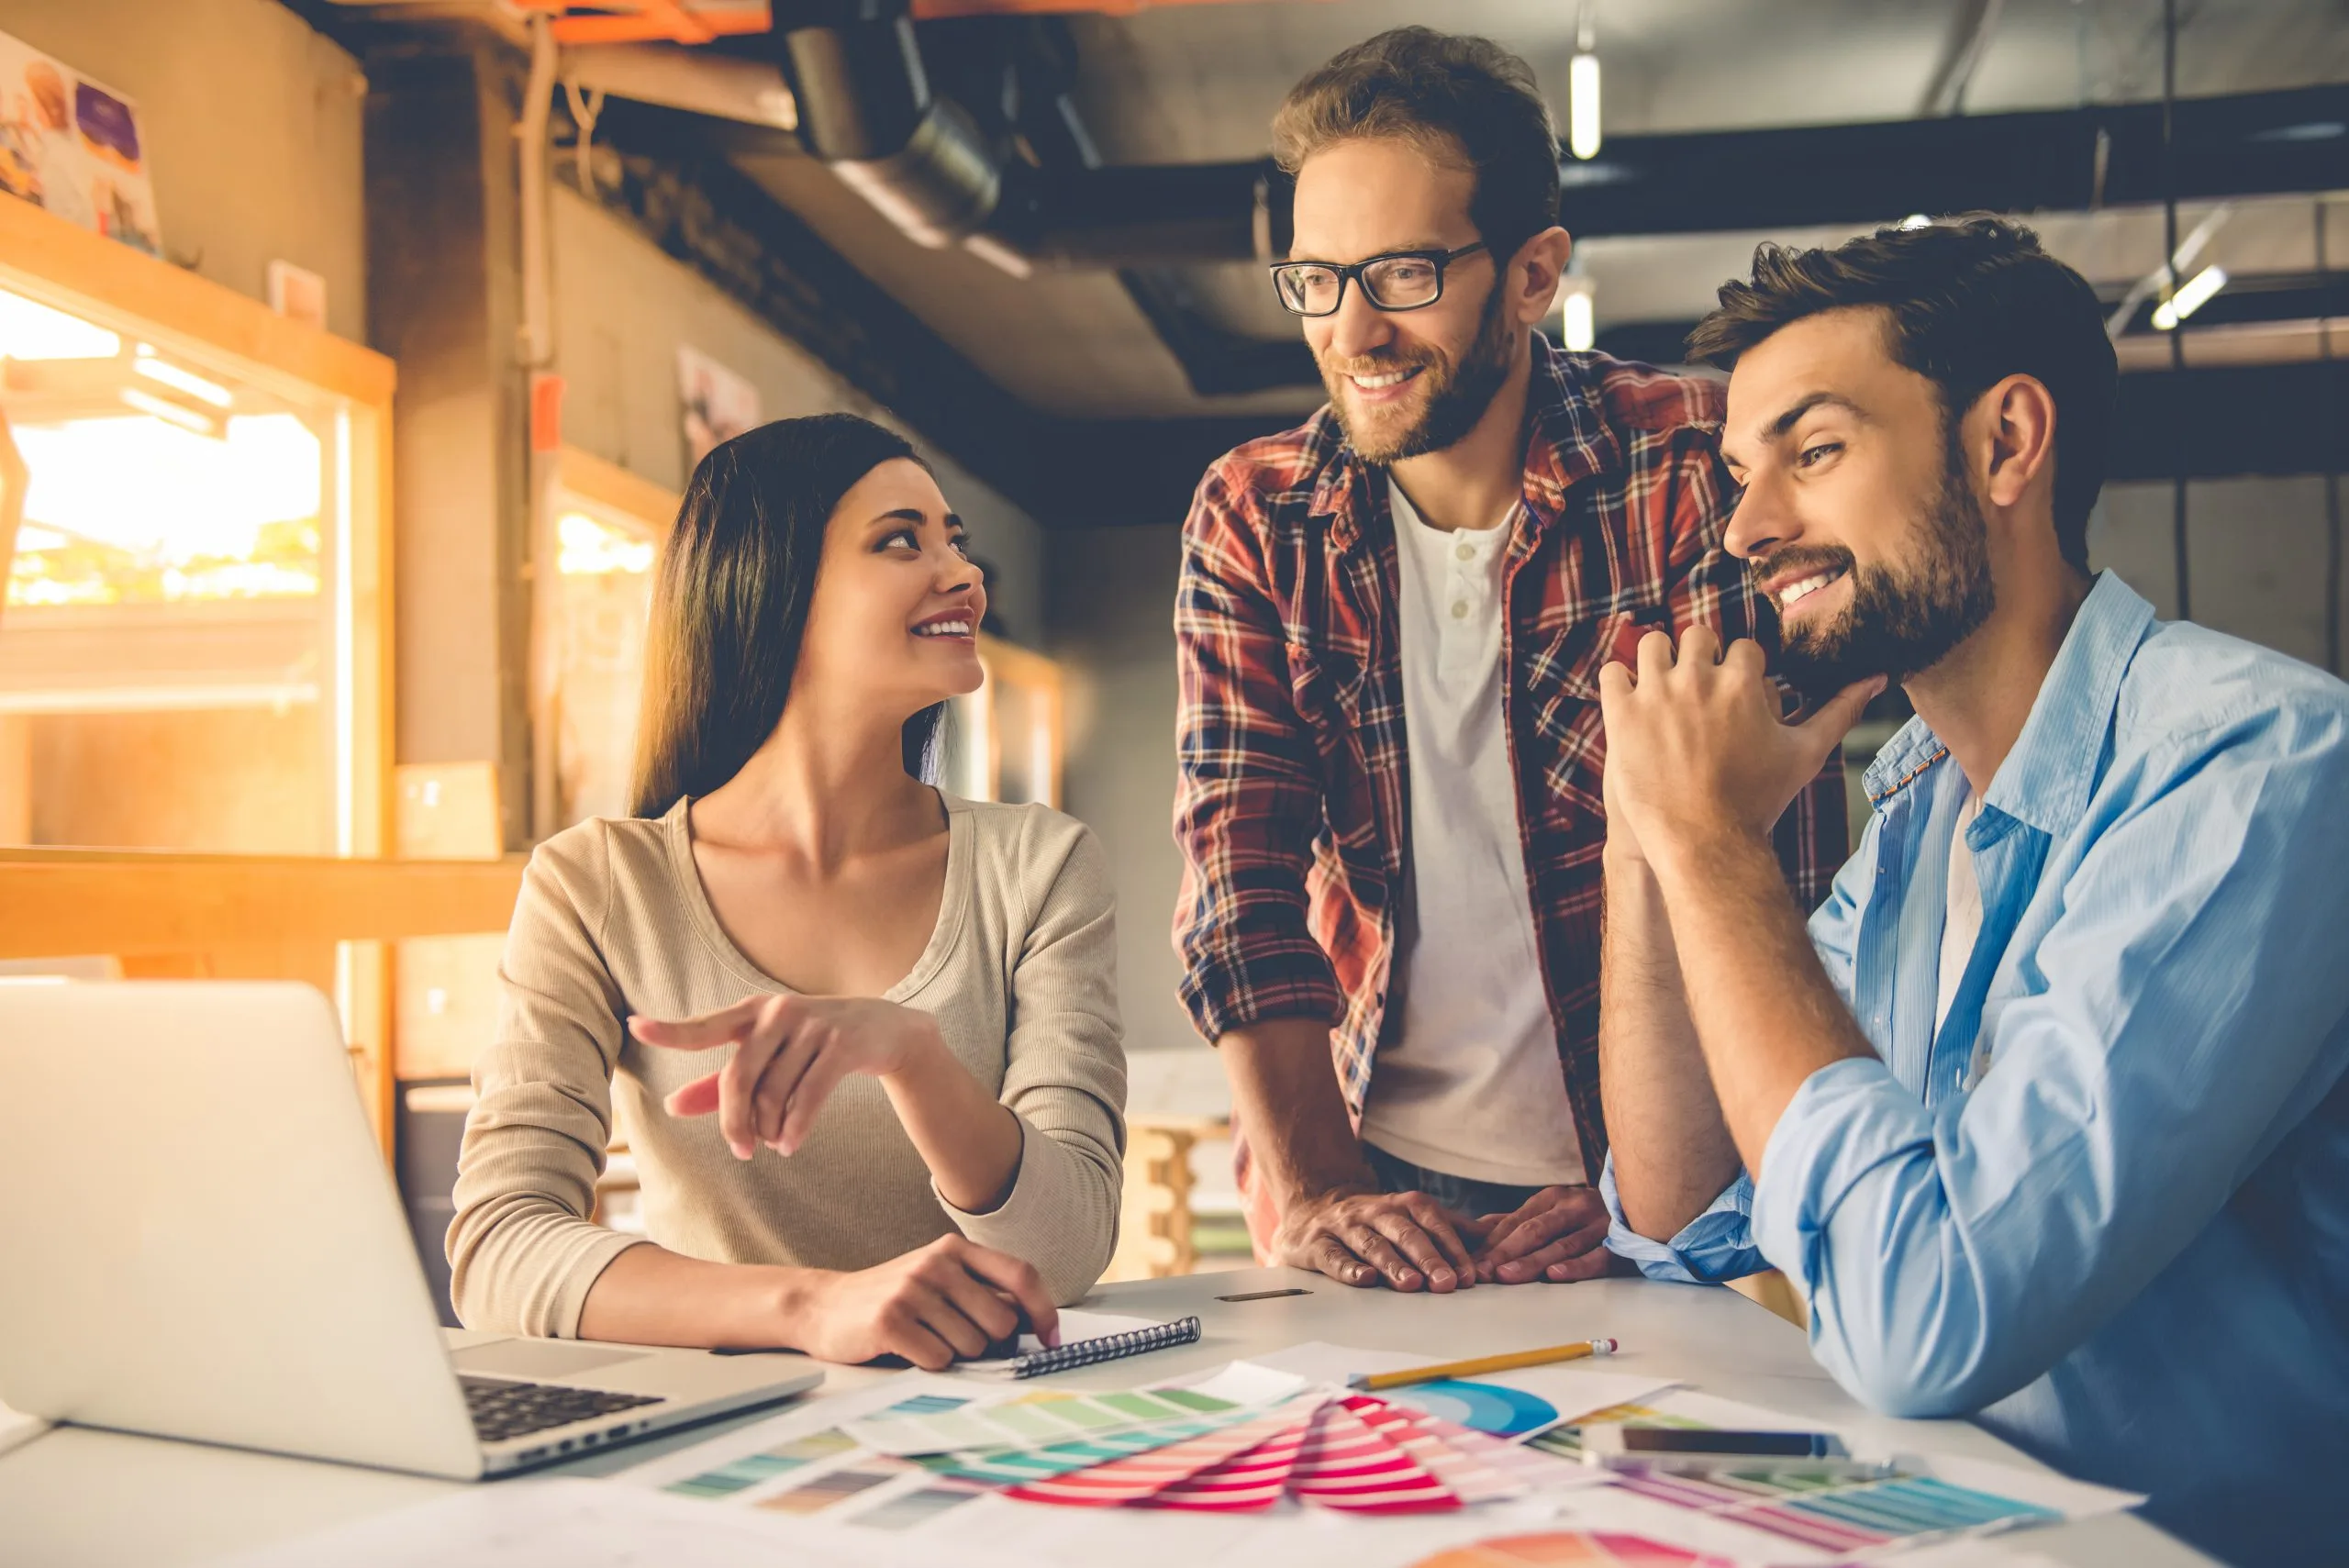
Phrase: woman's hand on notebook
pixel 951 1299
pixel 790 1054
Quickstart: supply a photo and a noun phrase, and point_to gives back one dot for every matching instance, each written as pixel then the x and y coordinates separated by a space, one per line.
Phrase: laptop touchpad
pixel 539 1358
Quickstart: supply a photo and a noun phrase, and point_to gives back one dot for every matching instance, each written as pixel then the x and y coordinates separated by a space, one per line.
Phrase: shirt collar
pixel 2045 780
pixel 1567 440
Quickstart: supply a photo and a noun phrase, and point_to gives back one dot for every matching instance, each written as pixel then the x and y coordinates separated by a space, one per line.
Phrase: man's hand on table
pixel 1558 1235
pixel 1357 1237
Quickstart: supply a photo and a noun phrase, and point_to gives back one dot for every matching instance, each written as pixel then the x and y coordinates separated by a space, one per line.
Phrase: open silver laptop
pixel 202 1241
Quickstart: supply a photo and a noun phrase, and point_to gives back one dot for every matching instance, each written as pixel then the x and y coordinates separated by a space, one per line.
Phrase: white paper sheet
pixel 17 1429
pixel 599 1524
pixel 578 1524
pixel 806 1418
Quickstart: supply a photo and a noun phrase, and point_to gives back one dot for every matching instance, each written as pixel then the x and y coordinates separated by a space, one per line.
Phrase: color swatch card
pixel 1042 1419
pixel 1478 1466
pixel 1347 1464
pixel 1016 1466
pixel 1928 1498
pixel 1142 1478
pixel 1253 1480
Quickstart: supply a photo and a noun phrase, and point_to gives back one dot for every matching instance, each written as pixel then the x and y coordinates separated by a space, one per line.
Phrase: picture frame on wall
pixel 73 147
pixel 715 403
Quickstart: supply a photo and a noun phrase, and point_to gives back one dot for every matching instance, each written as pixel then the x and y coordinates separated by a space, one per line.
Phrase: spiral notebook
pixel 1087 1337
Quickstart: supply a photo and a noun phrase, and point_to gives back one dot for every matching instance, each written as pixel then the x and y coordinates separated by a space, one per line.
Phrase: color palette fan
pixel 1354 1453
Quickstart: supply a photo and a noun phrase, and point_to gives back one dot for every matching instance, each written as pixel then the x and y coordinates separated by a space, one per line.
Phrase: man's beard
pixel 1900 620
pixel 1458 392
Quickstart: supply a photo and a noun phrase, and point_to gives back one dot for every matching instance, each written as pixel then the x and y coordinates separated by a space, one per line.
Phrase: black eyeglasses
pixel 1400 279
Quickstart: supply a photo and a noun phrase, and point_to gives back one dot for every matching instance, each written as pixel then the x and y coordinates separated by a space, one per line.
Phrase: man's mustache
pixel 1807 560
pixel 1380 363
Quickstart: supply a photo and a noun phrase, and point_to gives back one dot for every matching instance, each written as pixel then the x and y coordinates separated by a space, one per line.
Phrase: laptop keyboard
pixel 502 1409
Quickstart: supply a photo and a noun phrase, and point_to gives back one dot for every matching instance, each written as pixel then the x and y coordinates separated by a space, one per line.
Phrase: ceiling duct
pixel 866 109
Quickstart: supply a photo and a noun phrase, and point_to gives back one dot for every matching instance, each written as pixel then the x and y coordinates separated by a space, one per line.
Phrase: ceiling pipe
pixel 1961 56
pixel 866 109
pixel 702 82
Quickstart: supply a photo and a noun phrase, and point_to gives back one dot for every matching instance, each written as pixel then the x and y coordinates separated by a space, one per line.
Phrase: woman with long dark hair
pixel 862 1036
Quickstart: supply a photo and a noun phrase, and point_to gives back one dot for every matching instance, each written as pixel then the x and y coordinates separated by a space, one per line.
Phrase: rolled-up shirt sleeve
pixel 1719 1244
pixel 1715 1246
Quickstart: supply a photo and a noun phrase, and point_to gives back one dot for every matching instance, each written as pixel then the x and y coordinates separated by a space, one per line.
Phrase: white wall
pixel 621 309
pixel 1113 616
pixel 252 124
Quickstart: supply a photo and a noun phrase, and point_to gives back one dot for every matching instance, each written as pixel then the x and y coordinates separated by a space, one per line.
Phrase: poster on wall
pixel 719 404
pixel 71 145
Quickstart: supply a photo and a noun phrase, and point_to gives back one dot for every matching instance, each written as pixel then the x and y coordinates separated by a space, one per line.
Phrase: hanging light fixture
pixel 1582 91
pixel 2191 295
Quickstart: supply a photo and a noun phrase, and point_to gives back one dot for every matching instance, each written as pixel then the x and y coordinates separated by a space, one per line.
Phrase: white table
pixel 75 1497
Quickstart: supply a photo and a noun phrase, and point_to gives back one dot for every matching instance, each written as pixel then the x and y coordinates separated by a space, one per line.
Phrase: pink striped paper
pixel 1345 1465
pixel 1141 1476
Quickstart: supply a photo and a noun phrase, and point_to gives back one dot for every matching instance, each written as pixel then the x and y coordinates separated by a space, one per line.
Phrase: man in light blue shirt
pixel 2044 1113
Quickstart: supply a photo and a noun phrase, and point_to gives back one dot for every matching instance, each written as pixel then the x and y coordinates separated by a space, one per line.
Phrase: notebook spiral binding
pixel 1107 1348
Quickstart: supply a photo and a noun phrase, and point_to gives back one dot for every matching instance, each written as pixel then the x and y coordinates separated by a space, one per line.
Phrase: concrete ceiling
pixel 1199 84
pixel 1069 343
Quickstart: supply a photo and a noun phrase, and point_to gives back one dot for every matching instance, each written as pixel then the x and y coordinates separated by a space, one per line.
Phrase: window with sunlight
pixel 170 647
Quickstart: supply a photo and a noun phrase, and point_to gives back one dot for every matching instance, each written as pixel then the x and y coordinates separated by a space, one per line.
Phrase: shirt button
pixel 1466 553
pixel 1459 609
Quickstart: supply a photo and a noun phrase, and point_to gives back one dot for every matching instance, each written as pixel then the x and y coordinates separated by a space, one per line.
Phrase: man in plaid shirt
pixel 1390 626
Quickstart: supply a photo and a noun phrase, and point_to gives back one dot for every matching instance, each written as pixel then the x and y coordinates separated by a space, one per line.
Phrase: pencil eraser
pixel 1603 1347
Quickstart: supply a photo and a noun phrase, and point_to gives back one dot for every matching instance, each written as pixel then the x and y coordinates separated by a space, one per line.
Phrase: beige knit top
pixel 1021 973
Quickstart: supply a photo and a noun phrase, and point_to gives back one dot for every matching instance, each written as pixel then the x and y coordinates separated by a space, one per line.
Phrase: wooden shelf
pixel 59 902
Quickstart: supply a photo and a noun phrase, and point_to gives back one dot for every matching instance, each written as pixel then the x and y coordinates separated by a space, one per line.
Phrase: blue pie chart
pixel 1481 1407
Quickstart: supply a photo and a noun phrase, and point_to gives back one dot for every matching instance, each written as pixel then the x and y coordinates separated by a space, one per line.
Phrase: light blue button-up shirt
pixel 2105 1204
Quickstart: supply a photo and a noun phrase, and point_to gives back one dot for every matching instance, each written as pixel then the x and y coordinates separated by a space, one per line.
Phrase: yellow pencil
pixel 1483 1363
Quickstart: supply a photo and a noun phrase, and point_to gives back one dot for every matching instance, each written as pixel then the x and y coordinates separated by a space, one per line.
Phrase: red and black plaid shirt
pixel 1290 807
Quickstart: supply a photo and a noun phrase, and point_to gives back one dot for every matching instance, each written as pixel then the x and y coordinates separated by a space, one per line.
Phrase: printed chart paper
pixel 1511 1405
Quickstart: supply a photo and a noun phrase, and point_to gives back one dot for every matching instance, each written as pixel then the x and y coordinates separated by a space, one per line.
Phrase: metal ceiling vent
pixel 865 108
pixel 1020 189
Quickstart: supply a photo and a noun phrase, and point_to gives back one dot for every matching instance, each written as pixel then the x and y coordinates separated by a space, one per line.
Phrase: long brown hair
pixel 729 602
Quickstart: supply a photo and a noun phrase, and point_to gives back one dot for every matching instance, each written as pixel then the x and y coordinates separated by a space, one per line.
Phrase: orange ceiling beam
pixel 931 10
pixel 643 21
